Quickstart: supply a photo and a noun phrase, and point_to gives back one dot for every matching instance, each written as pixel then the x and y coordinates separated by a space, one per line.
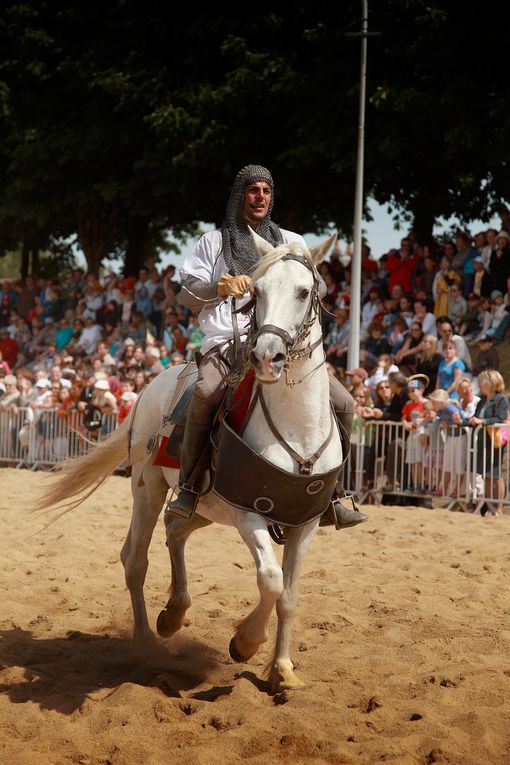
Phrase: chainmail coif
pixel 238 248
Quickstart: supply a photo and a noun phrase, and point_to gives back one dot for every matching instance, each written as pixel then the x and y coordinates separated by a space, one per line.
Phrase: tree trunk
pixel 25 260
pixel 423 225
pixel 36 264
pixel 96 234
pixel 136 249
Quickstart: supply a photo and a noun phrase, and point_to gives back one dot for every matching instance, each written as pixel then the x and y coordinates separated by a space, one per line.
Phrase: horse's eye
pixel 304 294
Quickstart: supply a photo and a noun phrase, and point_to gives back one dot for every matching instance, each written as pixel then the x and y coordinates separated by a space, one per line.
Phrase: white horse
pixel 296 394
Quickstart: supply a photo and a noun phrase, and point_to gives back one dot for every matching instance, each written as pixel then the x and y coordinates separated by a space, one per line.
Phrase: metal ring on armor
pixel 260 501
pixel 314 487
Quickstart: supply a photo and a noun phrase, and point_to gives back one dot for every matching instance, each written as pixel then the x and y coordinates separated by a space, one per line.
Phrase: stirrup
pixel 184 505
pixel 342 517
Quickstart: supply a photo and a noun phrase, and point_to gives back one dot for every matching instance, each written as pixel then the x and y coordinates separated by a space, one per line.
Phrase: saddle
pixel 168 454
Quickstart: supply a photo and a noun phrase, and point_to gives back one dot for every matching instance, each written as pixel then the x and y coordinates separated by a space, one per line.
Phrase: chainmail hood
pixel 238 248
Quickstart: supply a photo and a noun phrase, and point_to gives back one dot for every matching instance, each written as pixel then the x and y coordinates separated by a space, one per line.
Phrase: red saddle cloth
pixel 239 406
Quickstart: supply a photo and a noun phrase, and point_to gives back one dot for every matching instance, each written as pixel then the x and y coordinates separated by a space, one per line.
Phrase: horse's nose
pixel 256 358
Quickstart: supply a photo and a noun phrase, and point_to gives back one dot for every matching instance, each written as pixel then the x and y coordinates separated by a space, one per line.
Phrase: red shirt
pixel 9 349
pixel 401 271
pixel 413 410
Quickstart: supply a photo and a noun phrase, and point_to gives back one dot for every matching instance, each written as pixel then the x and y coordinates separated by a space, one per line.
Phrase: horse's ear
pixel 263 247
pixel 319 252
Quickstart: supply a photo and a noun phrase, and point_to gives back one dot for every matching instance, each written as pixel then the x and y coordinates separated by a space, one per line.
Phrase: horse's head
pixel 286 287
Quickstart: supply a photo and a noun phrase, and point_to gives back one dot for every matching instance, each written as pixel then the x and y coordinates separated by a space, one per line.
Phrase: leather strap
pixel 305 465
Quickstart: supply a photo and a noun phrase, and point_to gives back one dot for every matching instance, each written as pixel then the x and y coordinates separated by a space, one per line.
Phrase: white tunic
pixel 206 263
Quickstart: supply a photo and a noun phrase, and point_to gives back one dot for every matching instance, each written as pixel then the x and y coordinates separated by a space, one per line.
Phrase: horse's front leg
pixel 171 618
pixel 281 673
pixel 252 631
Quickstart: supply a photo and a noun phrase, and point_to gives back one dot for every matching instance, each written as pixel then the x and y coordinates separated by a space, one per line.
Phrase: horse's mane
pixel 294 248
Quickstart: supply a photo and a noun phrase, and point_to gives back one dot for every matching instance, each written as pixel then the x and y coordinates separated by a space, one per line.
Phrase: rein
pixel 293 353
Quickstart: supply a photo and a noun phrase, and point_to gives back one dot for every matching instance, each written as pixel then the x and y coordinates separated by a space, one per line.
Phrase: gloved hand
pixel 236 286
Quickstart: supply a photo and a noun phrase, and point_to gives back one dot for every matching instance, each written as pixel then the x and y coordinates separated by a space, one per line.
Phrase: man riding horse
pixel 217 270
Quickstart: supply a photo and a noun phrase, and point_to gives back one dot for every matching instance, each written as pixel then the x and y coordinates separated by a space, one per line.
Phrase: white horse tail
pixel 86 473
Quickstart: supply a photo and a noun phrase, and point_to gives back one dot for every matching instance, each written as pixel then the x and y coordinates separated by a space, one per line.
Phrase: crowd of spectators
pixel 429 311
pixel 90 345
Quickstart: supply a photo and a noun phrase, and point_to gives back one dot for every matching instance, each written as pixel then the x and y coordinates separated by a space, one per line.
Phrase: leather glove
pixel 236 286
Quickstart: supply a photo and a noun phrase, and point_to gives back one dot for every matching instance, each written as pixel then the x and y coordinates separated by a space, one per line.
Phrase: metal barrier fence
pixel 44 438
pixel 458 466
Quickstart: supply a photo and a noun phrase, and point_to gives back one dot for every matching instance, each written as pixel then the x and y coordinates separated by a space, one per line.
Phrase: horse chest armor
pixel 247 480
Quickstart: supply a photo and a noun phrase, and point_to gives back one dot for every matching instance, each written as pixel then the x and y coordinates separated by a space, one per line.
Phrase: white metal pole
pixel 355 303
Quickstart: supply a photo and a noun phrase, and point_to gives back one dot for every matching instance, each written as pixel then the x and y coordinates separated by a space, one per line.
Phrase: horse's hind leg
pixel 177 532
pixel 147 503
pixel 281 671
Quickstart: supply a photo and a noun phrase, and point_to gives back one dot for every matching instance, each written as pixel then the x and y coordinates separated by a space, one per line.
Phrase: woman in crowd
pixel 428 360
pixel 406 356
pixel 450 370
pixel 492 409
pixel 335 342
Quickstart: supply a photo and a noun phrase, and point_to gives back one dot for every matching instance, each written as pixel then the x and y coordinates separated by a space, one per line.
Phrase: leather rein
pixel 294 352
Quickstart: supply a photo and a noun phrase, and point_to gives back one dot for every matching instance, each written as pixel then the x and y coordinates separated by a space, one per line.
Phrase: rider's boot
pixel 338 514
pixel 194 451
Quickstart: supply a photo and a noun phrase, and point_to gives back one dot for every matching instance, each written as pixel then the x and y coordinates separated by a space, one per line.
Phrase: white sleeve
pixel 202 261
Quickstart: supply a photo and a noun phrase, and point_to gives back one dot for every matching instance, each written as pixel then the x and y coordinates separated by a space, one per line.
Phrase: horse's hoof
pixel 234 653
pixel 166 624
pixel 284 678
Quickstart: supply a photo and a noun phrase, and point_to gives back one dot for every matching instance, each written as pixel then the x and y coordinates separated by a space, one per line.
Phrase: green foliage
pixel 120 122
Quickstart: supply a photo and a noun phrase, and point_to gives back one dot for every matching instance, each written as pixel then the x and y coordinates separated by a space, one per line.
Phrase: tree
pixel 122 122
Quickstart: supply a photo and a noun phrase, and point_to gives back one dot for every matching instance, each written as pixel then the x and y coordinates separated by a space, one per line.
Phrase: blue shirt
pixel 445 374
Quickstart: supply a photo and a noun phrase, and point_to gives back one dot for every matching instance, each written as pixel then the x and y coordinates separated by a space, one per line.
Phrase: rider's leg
pixel 343 404
pixel 195 444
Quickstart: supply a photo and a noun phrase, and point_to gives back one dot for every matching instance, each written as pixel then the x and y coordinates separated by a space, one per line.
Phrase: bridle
pixel 294 351
pixel 293 345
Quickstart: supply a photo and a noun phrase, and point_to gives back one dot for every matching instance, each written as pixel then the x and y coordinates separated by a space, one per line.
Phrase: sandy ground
pixel 402 636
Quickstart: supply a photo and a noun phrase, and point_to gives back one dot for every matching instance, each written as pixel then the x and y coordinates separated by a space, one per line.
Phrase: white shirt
pixel 89 338
pixel 428 324
pixel 206 263
pixel 469 410
pixel 379 375
pixel 369 310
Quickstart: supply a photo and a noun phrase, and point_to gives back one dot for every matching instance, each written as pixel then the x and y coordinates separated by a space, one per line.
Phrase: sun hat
pixel 495 294
pixel 503 235
pixel 418 381
pixel 129 395
pixel 478 259
pixel 129 341
pixel 43 382
pixel 153 351
pixel 102 385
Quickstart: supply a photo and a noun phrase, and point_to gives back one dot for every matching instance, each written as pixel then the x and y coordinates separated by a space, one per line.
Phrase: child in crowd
pixel 412 419
pixel 432 440
pixel 454 455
